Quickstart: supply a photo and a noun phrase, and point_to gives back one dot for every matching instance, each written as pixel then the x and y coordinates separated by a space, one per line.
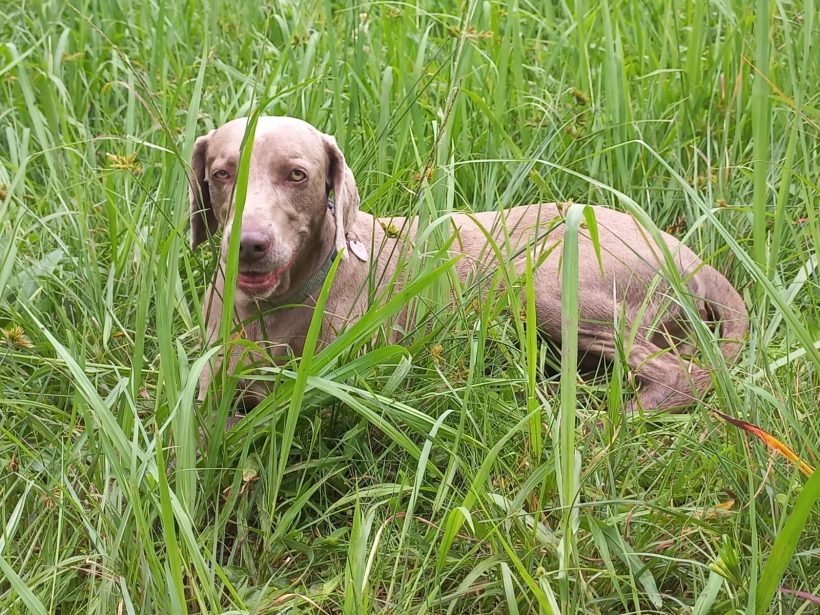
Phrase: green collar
pixel 314 282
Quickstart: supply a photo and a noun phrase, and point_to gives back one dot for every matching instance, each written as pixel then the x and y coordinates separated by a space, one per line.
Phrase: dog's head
pixel 293 170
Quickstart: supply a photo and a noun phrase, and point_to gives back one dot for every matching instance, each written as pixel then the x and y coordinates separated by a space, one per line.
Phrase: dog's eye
pixel 220 174
pixel 297 175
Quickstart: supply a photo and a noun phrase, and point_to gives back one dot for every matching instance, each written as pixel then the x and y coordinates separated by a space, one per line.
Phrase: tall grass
pixel 472 469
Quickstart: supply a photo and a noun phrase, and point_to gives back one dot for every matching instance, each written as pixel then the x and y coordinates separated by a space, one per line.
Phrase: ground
pixel 461 472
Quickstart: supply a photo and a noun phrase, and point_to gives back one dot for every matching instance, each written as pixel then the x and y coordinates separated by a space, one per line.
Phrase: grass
pixel 468 470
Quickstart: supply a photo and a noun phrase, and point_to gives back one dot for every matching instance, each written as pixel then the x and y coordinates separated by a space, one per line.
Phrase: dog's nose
pixel 253 246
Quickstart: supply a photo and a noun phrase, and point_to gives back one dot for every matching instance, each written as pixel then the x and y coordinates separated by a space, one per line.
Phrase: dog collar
pixel 315 281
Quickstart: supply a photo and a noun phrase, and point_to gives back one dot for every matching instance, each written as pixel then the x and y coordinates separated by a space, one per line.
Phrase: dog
pixel 291 232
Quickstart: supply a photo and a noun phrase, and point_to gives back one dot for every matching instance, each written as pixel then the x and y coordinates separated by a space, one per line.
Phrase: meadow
pixel 469 469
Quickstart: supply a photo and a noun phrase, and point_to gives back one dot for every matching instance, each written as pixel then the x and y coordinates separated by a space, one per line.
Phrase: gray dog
pixel 291 231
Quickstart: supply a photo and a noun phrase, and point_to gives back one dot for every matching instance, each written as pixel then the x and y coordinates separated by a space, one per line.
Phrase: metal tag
pixel 358 249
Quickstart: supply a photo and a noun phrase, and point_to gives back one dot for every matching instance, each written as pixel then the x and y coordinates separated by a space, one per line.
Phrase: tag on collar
pixel 358 249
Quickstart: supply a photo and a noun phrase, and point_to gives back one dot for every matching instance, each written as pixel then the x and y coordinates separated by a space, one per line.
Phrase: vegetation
pixel 461 472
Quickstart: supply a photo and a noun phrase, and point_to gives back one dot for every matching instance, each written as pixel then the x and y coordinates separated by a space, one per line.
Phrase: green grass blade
pixel 31 601
pixel 305 367
pixel 760 127
pixel 565 453
pixel 785 544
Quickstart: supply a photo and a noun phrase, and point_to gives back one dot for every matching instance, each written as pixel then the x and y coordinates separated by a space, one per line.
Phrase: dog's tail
pixel 724 304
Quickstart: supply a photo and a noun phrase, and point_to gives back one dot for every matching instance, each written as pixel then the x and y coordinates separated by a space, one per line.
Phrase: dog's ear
pixel 203 219
pixel 341 181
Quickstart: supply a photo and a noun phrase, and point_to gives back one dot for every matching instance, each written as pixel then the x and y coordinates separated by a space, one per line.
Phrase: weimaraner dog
pixel 291 231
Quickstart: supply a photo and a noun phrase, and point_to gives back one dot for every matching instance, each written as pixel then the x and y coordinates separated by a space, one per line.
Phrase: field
pixel 467 470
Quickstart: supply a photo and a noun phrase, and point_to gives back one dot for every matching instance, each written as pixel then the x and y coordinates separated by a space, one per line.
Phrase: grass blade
pixel 565 454
pixel 785 544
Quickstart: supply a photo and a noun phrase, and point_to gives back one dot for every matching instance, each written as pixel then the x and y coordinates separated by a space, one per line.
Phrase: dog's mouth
pixel 262 282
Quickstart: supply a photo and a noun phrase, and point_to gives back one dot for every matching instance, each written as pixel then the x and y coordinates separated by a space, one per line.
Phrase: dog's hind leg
pixel 665 382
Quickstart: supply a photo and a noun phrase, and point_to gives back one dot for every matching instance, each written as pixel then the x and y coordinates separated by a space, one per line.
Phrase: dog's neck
pixel 309 273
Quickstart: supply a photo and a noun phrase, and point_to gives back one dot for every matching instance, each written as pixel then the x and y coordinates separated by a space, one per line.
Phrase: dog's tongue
pixel 255 275
pixel 254 278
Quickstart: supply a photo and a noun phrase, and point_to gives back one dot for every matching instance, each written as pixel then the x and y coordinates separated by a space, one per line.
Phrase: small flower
pixel 51 498
pixel 390 229
pixel 428 174
pixel 16 336
pixel 470 33
pixel 563 207
pixel 128 162
pixel 677 227
pixel 473 306
pixel 437 351
pixel 580 96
